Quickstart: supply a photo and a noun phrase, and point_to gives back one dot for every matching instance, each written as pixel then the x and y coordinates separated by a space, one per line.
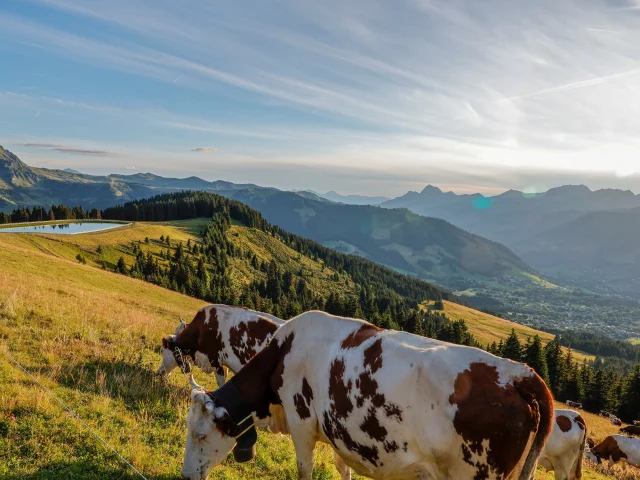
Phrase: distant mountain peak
pixel 71 170
pixel 431 190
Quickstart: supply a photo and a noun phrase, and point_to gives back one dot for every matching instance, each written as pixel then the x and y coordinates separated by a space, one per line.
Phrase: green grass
pixel 92 337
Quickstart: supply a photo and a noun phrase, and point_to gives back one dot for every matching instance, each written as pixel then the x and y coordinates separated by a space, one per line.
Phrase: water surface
pixel 63 228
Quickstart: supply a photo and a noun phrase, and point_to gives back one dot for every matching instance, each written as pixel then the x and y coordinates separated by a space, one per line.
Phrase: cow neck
pixel 255 380
pixel 188 338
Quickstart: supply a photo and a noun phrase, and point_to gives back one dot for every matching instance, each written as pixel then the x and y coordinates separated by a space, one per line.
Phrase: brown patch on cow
pixel 498 415
pixel 307 393
pixel 256 333
pixel 609 450
pixel 591 443
pixel 301 406
pixel 357 338
pixel 371 426
pixel 373 356
pixel 340 393
pixel 564 423
pixel 302 401
pixel 283 350
pixel 335 430
pixel 580 422
pixel 260 380
pixel 342 405
pixel 391 447
pixel 393 410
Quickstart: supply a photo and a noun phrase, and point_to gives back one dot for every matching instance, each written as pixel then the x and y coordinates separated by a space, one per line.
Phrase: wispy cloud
pixel 367 83
pixel 70 150
pixel 204 149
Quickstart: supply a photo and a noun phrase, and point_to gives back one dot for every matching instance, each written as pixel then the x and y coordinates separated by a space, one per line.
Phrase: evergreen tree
pixel 512 348
pixel 555 366
pixel 121 267
pixel 534 357
pixel 630 399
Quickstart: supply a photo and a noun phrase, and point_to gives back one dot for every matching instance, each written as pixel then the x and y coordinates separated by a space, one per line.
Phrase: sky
pixel 358 96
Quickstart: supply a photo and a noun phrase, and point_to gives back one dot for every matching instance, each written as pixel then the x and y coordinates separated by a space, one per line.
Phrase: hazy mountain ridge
pixel 353 199
pixel 23 185
pixel 428 248
pixel 538 226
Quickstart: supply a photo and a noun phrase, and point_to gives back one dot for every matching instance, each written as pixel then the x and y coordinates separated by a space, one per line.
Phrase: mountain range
pixel 429 248
pixel 569 232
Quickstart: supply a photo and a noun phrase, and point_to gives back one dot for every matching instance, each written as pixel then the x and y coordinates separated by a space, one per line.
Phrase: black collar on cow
pixel 182 358
pixel 232 400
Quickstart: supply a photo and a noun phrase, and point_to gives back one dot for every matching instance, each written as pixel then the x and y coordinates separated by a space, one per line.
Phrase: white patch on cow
pixel 202 362
pixel 169 363
pixel 563 450
pixel 631 447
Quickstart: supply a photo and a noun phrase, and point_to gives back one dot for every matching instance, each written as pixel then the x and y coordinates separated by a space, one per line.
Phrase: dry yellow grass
pixel 92 337
pixel 488 328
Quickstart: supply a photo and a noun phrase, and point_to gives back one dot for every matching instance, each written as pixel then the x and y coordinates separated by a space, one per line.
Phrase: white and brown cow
pixel 566 445
pixel 220 337
pixel 617 448
pixel 392 405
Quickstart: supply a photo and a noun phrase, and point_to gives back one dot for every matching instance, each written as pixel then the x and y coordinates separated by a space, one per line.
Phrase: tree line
pixel 55 212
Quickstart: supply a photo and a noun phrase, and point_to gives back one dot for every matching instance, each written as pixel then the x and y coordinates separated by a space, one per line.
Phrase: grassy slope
pixel 92 337
pixel 488 328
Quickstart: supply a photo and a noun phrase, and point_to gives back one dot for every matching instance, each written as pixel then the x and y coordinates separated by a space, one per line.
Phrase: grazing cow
pixel 631 430
pixel 636 422
pixel 605 414
pixel 391 404
pixel 617 448
pixel 219 337
pixel 615 421
pixel 565 447
pixel 574 404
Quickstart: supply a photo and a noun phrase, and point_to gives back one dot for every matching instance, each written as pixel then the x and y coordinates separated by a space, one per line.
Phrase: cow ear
pixel 225 425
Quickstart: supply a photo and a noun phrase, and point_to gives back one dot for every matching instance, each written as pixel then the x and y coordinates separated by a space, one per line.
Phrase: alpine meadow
pixel 293 240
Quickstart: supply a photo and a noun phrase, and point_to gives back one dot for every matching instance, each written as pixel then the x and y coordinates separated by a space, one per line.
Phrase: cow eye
pixel 201 438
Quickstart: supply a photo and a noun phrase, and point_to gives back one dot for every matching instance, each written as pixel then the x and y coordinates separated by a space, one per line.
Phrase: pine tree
pixel 512 348
pixel 630 401
pixel 555 366
pixel 534 357
pixel 121 267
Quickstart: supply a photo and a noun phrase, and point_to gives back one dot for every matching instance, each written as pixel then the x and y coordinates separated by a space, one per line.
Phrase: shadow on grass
pixel 86 471
pixel 136 386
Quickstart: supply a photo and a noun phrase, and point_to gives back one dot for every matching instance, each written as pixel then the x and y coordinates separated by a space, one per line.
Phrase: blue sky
pixel 359 96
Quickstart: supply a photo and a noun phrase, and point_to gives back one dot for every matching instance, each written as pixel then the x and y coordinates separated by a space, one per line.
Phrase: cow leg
pixel 221 375
pixel 343 468
pixel 304 444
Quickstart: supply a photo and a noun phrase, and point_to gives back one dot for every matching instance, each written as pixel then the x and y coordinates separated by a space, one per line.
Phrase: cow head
pixel 172 357
pixel 213 432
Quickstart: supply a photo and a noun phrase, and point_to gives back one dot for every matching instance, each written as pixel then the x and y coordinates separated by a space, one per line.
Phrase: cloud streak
pixel 70 150
pixel 204 149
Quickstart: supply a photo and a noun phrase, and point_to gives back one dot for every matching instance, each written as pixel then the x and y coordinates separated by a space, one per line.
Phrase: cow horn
pixel 193 383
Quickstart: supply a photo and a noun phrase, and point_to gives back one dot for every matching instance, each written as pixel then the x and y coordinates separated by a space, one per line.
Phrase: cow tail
pixel 538 396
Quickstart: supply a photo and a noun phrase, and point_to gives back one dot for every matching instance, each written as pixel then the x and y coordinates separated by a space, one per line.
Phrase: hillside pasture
pixel 92 337
pixel 489 328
